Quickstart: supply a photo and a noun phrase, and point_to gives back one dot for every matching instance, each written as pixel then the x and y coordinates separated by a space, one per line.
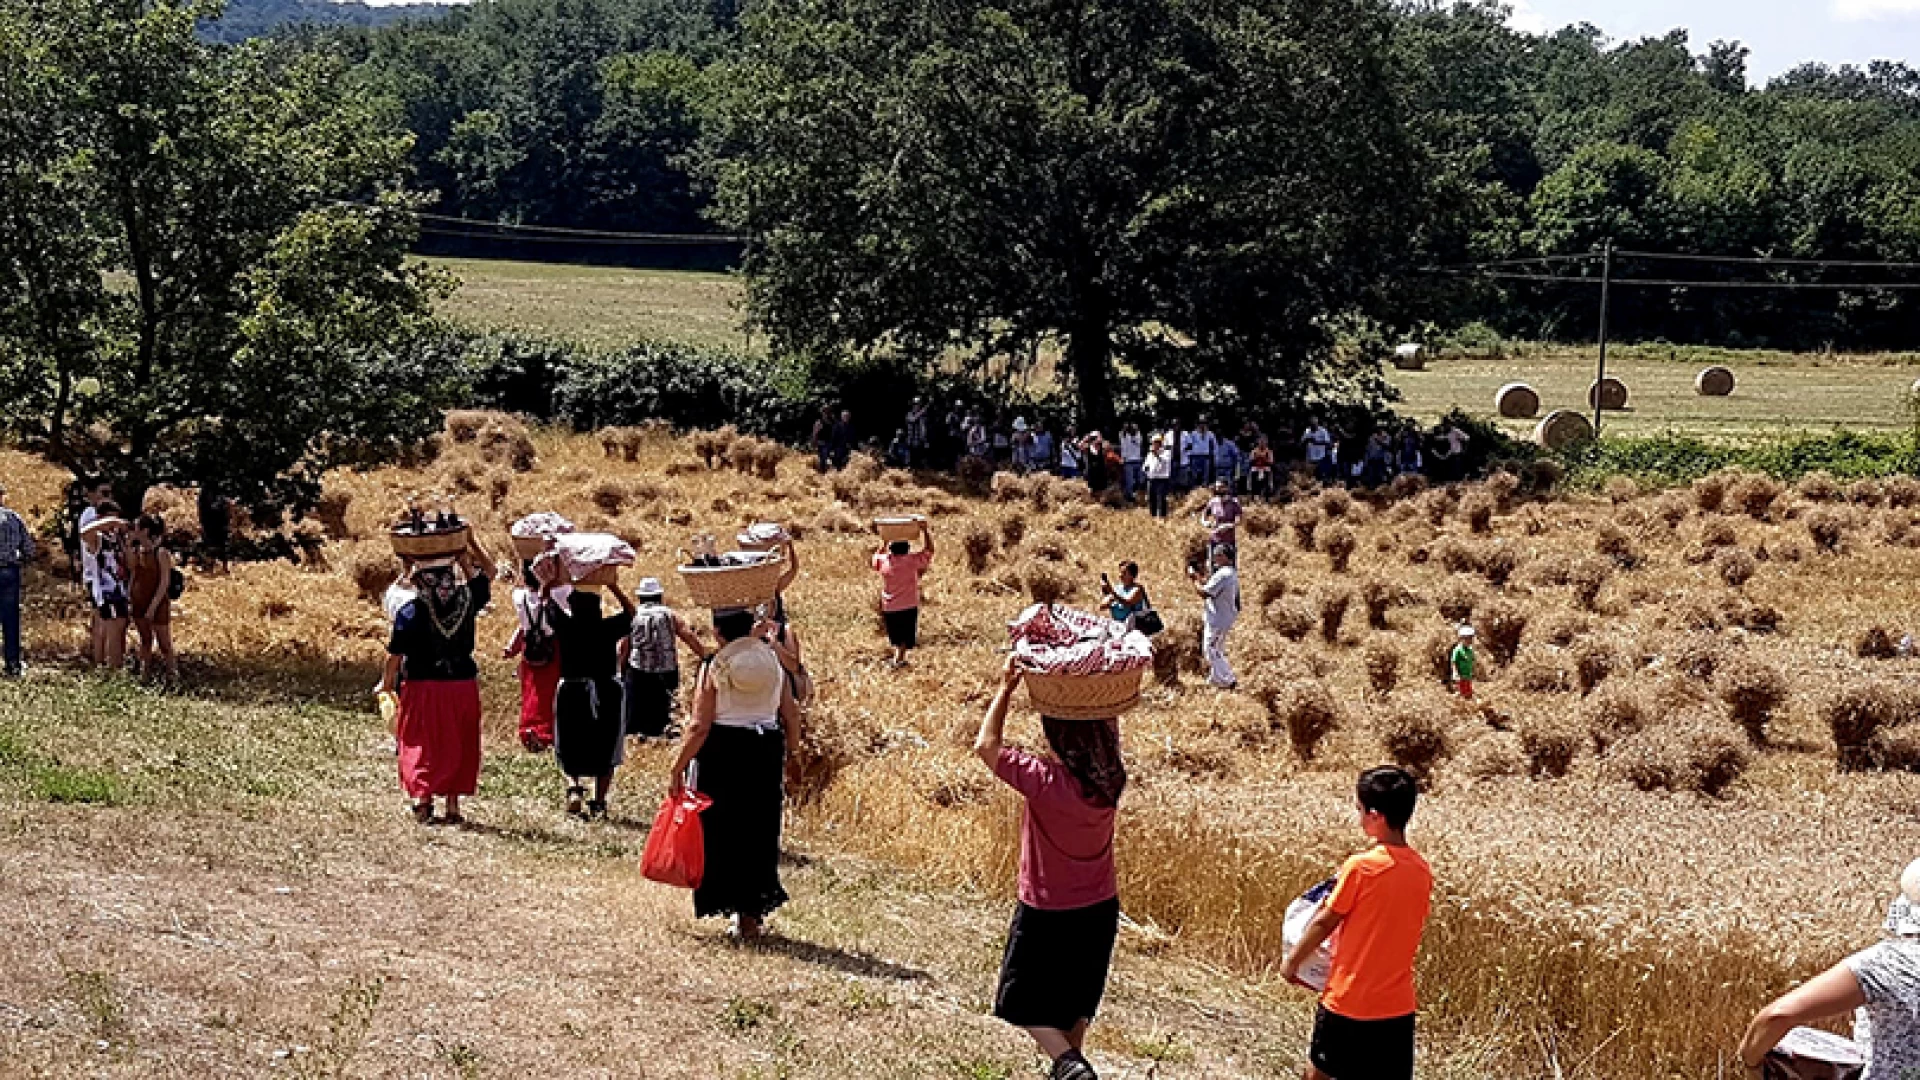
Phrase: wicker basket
pixel 896 529
pixel 530 547
pixel 440 545
pixel 722 587
pixel 1084 697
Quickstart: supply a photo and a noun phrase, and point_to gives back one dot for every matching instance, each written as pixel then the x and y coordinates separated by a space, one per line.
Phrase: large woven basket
pixel 722 587
pixel 1084 697
pixel 896 529
pixel 530 547
pixel 440 545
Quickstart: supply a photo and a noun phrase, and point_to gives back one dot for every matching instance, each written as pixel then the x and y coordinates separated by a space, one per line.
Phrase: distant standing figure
pixel 823 440
pixel 1221 591
pixel 215 512
pixel 650 661
pixel 438 725
pixel 150 569
pixel 1159 472
pixel 1462 663
pixel 1260 470
pixel 1221 517
pixel 1060 944
pixel 1133 452
pixel 16 551
pixel 844 439
pixel 104 541
pixel 1408 456
pixel 900 569
pixel 1318 443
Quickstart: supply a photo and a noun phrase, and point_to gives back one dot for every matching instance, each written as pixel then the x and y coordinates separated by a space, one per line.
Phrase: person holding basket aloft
pixel 1060 944
pixel 900 569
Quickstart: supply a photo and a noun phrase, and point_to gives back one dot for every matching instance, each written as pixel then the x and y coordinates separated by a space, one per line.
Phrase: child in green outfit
pixel 1462 663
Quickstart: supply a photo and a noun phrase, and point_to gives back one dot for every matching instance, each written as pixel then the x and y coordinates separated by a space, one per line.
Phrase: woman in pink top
pixel 1061 942
pixel 900 568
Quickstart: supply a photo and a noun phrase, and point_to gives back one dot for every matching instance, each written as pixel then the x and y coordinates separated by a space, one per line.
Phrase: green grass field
pixel 1777 392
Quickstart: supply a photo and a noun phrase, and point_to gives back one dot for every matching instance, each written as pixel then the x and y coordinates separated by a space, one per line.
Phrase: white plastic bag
pixel 1299 913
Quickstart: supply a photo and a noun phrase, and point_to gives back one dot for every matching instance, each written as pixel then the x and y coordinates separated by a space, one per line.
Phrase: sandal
pixel 455 818
pixel 597 810
pixel 423 812
pixel 575 797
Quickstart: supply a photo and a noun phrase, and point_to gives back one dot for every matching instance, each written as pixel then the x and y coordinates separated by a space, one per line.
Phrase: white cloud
pixel 1527 20
pixel 1858 10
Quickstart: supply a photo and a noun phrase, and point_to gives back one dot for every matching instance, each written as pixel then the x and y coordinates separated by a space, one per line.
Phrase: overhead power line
pixel 1826 286
pixel 1768 260
pixel 549 233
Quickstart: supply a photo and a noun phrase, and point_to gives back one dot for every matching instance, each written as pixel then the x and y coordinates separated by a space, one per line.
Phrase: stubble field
pixel 1625 871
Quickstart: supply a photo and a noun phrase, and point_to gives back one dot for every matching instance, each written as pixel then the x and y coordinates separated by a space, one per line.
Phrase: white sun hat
pixel 1903 915
pixel 1466 633
pixel 650 586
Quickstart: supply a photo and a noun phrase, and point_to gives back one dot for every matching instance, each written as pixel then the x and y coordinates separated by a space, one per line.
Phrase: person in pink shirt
pixel 900 569
pixel 1061 941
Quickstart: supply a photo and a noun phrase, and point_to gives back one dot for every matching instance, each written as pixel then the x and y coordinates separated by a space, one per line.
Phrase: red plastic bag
pixel 676 852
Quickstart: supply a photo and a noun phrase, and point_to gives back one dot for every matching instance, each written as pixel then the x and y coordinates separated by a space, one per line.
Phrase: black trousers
pixel 1157 497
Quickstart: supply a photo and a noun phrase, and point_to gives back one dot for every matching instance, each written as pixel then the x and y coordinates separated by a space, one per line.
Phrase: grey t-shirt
pixel 1889 975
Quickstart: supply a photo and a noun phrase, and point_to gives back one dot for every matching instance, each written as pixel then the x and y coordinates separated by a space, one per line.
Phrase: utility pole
pixel 1606 287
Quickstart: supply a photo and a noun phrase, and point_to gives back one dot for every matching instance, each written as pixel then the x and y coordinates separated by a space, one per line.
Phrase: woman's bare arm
pixel 706 703
pixel 993 725
pixel 1834 992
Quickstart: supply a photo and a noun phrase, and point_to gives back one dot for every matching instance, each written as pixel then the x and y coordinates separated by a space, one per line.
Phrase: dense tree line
pixel 592 113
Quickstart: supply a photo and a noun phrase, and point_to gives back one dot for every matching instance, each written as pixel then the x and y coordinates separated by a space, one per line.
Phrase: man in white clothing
pixel 1221 591
pixel 1318 442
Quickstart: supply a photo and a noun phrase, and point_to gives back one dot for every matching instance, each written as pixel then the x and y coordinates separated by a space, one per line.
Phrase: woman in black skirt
pixel 589 737
pixel 1061 941
pixel 744 719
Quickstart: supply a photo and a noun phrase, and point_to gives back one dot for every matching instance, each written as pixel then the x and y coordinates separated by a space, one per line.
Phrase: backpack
pixel 176 583
pixel 538 650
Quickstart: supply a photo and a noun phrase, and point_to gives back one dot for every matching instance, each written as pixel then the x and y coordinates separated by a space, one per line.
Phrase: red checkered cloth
pixel 1060 640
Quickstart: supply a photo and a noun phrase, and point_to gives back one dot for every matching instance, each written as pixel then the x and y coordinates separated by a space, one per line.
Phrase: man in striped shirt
pixel 16 550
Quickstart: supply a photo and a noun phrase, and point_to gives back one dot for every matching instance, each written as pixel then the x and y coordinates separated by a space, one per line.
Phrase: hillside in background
pixel 256 18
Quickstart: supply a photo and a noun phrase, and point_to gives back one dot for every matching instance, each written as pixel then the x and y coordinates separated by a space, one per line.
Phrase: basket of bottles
pixel 422 535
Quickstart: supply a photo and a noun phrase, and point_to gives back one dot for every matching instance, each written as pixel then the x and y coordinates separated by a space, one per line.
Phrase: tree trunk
pixel 1090 357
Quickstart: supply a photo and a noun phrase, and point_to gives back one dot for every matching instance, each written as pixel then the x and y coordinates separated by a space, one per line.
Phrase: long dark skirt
pixel 650 697
pixel 744 771
pixel 588 740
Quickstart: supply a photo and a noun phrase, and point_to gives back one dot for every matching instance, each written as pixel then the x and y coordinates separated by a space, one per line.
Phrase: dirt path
pixel 322 935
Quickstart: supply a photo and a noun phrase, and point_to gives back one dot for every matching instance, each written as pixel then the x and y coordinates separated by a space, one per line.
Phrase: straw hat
pixel 650 586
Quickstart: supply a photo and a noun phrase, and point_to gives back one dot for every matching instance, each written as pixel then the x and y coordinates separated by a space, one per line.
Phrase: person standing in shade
pixel 1462 664
pixel 1159 472
pixel 1260 470
pixel 823 440
pixel 589 737
pixel 1133 452
pixel 744 722
pixel 1201 462
pixel 150 569
pixel 918 441
pixel 650 662
pixel 16 551
pixel 1318 443
pixel 845 438
pixel 1379 905
pixel 438 724
pixel 1060 944
pixel 900 569
pixel 1069 455
pixel 1221 591
pixel 1408 458
pixel 1227 460
pixel 104 541
pixel 94 496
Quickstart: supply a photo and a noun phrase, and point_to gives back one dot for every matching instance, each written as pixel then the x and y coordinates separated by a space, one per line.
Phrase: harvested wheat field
pixel 1682 790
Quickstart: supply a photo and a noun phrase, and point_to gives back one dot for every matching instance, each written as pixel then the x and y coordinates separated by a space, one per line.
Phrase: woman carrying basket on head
pixel 1061 942
pixel 744 723
pixel 534 643
pixel 589 734
pixel 900 569
pixel 438 724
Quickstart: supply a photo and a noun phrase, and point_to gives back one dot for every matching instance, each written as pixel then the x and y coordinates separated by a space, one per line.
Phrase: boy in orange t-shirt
pixel 1378 908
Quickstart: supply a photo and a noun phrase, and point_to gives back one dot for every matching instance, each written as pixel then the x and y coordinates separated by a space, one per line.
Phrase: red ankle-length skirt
pixel 439 737
pixel 538 686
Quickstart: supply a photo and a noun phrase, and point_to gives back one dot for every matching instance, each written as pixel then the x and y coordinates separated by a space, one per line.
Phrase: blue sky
pixel 1781 33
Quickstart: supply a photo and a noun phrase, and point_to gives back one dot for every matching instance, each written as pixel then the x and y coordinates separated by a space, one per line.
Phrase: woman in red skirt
pixel 534 643
pixel 430 657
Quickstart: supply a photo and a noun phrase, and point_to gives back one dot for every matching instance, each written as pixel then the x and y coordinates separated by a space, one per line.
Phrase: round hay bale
pixel 1562 428
pixel 1715 381
pixel 1609 394
pixel 1410 357
pixel 1916 388
pixel 1517 401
